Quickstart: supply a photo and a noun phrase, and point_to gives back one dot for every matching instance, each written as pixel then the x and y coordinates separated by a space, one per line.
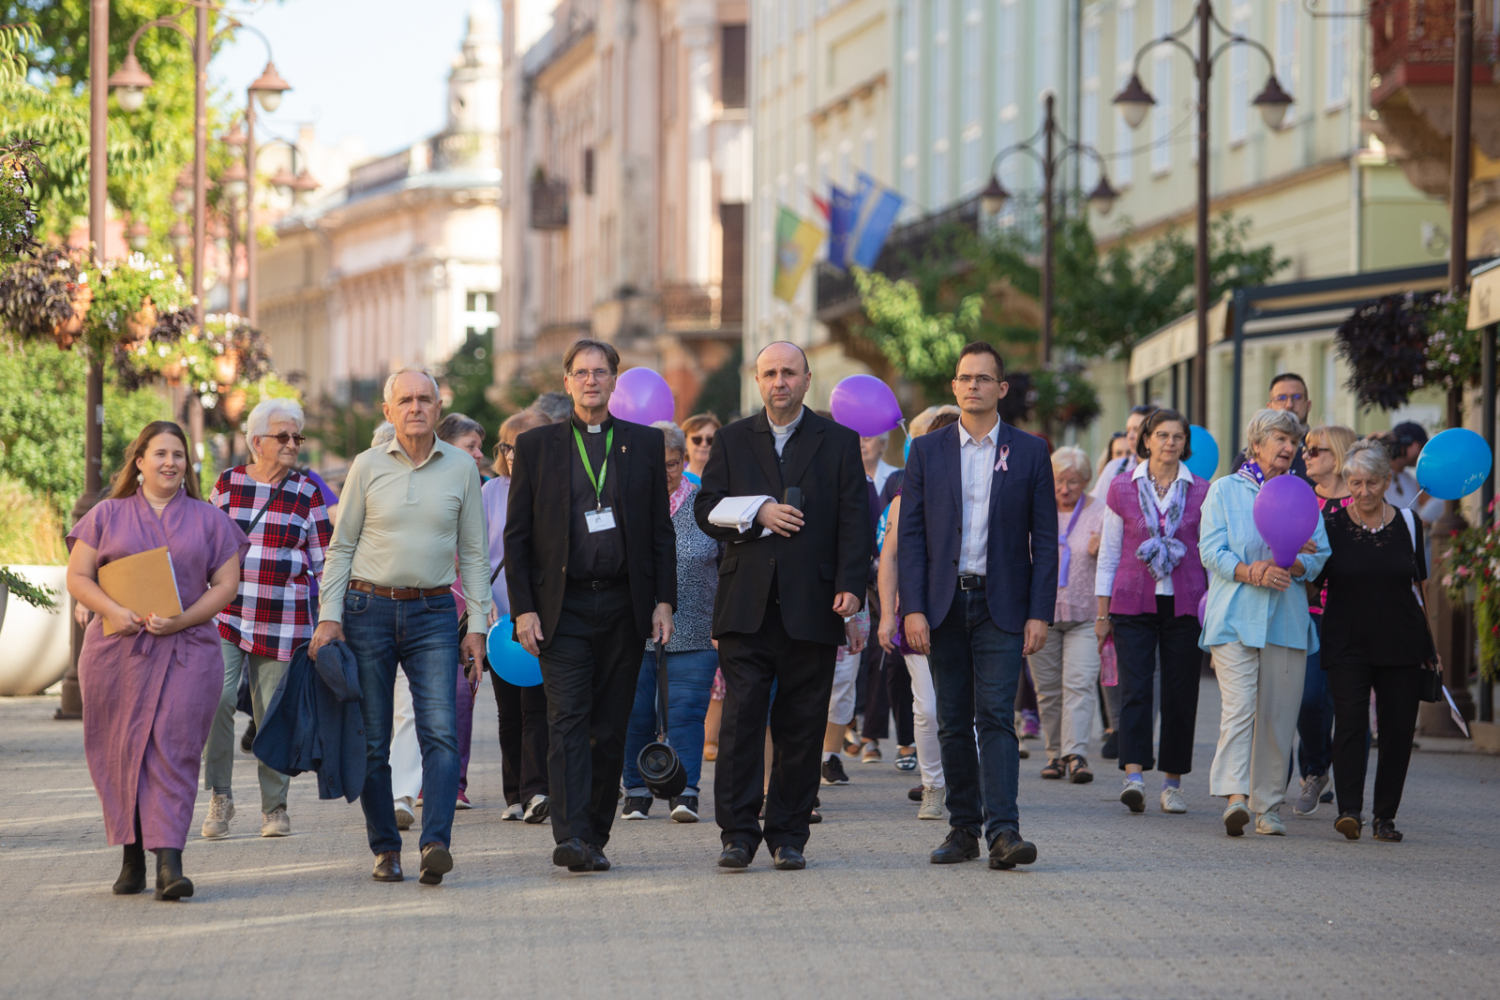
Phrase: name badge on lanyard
pixel 601 518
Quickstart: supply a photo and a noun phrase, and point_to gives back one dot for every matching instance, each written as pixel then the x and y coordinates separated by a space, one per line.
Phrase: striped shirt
pixel 272 614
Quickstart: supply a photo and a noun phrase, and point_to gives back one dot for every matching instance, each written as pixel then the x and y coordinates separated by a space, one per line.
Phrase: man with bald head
pixel 785 490
pixel 407 508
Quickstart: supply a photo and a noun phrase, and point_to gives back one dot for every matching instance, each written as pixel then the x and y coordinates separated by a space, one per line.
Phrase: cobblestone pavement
pixel 1116 906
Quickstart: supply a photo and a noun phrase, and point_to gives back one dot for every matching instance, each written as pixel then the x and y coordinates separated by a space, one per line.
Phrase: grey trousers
pixel 218 756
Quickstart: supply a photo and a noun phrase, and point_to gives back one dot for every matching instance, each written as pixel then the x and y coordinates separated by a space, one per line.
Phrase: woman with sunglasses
pixel 283 514
pixel 699 430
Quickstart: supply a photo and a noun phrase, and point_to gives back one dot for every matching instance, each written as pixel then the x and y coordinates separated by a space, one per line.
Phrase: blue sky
pixel 372 69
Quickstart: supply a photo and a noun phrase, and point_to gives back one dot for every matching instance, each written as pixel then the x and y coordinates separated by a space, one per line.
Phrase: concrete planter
pixel 35 642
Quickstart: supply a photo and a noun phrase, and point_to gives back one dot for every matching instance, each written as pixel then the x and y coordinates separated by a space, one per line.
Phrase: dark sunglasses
pixel 284 437
pixel 702 439
pixel 1313 451
pixel 507 450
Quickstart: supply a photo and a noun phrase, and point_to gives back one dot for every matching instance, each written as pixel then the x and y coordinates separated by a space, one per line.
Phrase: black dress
pixel 1372 614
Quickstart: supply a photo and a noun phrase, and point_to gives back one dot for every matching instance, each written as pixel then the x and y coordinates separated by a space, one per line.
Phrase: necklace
pixel 1365 524
pixel 1161 489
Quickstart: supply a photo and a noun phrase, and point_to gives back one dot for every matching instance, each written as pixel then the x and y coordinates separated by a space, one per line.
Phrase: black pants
pixel 523 739
pixel 887 693
pixel 1136 640
pixel 589 670
pixel 1397 695
pixel 803 675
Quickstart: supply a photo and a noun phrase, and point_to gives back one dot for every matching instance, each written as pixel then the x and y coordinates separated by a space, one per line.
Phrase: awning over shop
pixel 1484 295
pixel 1177 341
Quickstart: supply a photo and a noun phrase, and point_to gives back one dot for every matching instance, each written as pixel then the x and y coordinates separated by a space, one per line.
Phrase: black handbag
pixel 658 763
pixel 1431 680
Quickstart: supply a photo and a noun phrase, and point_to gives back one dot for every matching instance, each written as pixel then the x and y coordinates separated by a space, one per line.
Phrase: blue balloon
pixel 1453 464
pixel 1205 461
pixel 509 659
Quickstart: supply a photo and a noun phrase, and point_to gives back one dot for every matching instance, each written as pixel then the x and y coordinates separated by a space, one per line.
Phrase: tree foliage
pixel 923 344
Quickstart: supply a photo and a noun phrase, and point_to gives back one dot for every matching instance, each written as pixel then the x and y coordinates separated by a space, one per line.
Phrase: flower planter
pixel 139 326
pixel 69 330
pixel 233 404
pixel 36 642
pixel 227 367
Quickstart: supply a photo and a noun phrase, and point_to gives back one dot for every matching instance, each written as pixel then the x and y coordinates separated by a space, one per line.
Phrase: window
pixel 1337 85
pixel 1286 50
pixel 910 67
pixel 1088 110
pixel 480 316
pixel 970 97
pixel 938 105
pixel 1161 89
pixel 732 65
pixel 1122 167
pixel 588 171
pixel 1239 76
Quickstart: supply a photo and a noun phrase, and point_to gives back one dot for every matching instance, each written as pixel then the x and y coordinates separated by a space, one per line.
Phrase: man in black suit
pixel 591 568
pixel 788 579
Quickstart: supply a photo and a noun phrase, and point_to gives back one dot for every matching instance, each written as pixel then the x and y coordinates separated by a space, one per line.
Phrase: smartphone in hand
pixel 793 497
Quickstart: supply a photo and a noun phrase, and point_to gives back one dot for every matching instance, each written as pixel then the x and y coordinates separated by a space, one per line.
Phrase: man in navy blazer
pixel 978 583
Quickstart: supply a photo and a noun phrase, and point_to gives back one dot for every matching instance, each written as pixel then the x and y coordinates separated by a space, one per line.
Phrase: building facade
pixel 401 263
pixel 626 145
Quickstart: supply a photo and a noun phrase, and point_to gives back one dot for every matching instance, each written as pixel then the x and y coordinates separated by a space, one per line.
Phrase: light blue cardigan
pixel 1239 612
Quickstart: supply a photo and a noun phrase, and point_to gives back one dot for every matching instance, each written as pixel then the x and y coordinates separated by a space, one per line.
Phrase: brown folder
pixel 144 583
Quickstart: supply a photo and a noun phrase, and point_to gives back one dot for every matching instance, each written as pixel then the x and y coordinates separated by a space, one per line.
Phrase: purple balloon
pixel 642 396
pixel 1286 514
pixel 865 404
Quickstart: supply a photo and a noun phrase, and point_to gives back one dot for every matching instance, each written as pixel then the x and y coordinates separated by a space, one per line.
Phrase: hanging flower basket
pixel 232 403
pixel 70 329
pixel 138 325
pixel 227 367
pixel 44 297
pixel 136 299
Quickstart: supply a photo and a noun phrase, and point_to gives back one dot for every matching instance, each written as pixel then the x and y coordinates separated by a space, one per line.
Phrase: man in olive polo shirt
pixel 406 509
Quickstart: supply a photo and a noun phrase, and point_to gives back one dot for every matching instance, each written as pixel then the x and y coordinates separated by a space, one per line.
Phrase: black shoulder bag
pixel 1432 669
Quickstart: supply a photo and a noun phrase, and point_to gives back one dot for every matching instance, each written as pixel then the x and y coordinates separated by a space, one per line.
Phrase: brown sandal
pixel 1054 770
pixel 1078 770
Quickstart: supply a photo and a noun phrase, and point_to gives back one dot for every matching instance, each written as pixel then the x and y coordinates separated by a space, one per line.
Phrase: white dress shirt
pixel 1112 539
pixel 977 464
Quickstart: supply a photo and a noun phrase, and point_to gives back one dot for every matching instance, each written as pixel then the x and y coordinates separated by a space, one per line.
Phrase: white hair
pixel 390 382
pixel 384 435
pixel 1368 457
pixel 675 439
pixel 1263 423
pixel 1075 458
pixel 268 411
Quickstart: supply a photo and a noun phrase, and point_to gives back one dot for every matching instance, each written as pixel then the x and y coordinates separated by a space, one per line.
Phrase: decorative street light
pixel 1135 100
pixel 993 198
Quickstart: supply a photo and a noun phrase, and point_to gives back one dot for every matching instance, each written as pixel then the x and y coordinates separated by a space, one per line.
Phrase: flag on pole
pixel 843 210
pixel 796 242
pixel 821 204
pixel 875 213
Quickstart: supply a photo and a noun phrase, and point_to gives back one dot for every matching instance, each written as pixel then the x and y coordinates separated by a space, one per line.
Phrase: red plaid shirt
pixel 271 615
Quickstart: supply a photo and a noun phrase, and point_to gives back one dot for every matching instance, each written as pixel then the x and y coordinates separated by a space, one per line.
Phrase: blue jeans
pixel 690 681
pixel 419 635
pixel 1315 720
pixel 976 666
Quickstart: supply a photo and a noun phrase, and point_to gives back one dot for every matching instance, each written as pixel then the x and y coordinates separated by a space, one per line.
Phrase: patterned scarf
pixel 1251 471
pixel 1161 552
pixel 683 491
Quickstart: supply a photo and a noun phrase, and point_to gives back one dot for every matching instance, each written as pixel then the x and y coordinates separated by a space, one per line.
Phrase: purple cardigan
pixel 1135 589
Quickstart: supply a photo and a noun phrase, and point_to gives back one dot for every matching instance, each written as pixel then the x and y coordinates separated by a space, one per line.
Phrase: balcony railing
pixel 702 306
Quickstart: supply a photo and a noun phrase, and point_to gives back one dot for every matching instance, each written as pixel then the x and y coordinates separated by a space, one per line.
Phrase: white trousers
pixel 406 752
pixel 1261 691
pixel 1065 672
pixel 924 717
pixel 845 676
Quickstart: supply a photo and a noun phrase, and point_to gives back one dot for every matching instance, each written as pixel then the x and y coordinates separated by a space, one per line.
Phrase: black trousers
pixel 522 715
pixel 803 675
pixel 589 672
pixel 887 693
pixel 1137 638
pixel 1397 694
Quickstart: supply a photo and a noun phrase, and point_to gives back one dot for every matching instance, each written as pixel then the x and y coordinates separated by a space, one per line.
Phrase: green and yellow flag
pixel 796 242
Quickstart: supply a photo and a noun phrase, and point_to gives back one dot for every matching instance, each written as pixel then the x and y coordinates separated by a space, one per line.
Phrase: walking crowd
pixel 766 595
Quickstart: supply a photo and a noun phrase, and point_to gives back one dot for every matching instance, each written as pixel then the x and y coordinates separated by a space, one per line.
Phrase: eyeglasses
pixel 506 451
pixel 983 381
pixel 1288 397
pixel 702 439
pixel 284 437
pixel 1313 451
pixel 674 463
pixel 592 374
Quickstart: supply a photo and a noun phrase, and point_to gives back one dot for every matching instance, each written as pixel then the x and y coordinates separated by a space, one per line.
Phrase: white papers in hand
pixel 737 512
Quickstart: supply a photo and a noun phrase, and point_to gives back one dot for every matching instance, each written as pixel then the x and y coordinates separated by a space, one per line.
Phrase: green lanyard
pixel 598 484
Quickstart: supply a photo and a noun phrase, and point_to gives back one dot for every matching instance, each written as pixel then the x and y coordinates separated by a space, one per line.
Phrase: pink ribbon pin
pixel 1004 454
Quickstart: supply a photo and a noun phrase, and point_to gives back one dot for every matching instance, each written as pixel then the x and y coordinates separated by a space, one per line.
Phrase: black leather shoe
pixel 1385 830
pixel 133 872
pixel 961 845
pixel 601 863
pixel 388 867
pixel 915 794
pixel 1349 824
pixel 170 882
pixel 1010 850
pixel 788 859
pixel 574 855
pixel 436 862
pixel 735 855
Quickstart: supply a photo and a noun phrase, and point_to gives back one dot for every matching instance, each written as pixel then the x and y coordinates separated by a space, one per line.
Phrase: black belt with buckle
pixel 596 585
pixel 970 581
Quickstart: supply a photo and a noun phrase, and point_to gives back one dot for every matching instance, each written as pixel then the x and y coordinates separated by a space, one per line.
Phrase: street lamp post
pixel 1055 147
pixel 1135 100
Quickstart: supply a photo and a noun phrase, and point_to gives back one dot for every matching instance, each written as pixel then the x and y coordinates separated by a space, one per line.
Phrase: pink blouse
pixel 1076 601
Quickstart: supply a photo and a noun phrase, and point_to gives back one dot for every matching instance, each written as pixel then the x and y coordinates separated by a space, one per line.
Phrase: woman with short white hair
pixel 1066 668
pixel 1257 628
pixel 282 512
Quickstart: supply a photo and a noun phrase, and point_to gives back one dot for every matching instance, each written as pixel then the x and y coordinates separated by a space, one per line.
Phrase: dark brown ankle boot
pixel 170 882
pixel 133 872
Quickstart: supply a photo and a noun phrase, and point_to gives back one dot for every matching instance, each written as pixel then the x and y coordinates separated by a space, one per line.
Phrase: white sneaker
pixel 1172 801
pixel 932 802
pixel 1236 818
pixel 1269 823
pixel 513 812
pixel 275 823
pixel 538 809
pixel 405 814
pixel 220 812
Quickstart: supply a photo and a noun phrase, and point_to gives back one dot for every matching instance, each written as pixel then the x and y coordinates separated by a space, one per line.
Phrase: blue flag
pixel 876 213
pixel 842 212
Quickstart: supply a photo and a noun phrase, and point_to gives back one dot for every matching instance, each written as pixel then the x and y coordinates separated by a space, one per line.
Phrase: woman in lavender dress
pixel 150 689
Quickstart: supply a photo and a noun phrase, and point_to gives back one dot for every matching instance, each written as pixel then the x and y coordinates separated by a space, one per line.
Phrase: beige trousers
pixel 1261 691
pixel 1064 672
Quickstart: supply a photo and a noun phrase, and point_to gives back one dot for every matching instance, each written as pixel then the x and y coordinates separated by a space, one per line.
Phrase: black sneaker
pixel 833 772
pixel 636 807
pixel 684 809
